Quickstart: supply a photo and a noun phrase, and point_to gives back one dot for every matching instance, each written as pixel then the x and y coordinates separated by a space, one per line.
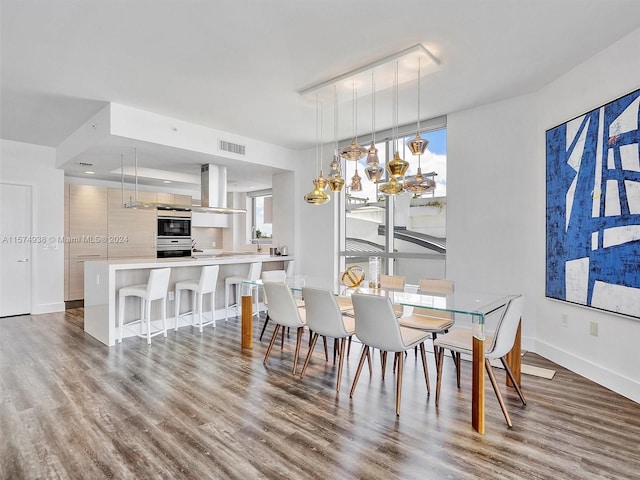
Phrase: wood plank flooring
pixel 197 406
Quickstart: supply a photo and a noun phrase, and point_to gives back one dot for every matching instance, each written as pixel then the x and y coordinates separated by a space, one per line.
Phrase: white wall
pixel 613 357
pixel 491 201
pixel 317 248
pixel 285 208
pixel 496 214
pixel 34 165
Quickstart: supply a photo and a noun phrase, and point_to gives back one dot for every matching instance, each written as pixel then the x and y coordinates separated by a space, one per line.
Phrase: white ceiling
pixel 237 65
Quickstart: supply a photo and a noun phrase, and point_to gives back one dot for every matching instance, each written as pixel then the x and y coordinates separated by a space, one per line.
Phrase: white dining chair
pixel 377 327
pixel 284 312
pixel 277 276
pixel 429 319
pixel 324 318
pixel 496 347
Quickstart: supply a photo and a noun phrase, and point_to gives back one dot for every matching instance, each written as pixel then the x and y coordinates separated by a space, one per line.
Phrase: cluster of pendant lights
pixel 396 168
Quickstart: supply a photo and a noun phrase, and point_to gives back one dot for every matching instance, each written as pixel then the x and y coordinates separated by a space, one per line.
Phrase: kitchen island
pixel 103 279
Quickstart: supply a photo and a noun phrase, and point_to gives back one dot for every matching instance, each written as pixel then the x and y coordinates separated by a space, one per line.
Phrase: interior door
pixel 15 249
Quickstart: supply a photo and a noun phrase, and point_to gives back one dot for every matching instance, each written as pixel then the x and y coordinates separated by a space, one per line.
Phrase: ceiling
pixel 238 65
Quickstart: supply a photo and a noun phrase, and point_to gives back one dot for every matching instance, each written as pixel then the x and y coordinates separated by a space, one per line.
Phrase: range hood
pixel 213 191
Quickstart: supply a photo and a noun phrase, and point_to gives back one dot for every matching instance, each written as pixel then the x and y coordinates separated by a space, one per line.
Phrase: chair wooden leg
pixel 273 340
pixel 298 341
pixel 326 351
pixel 282 342
pixel 383 356
pixel 266 320
pixel 336 346
pixel 423 355
pixel 400 358
pixel 395 363
pixel 363 355
pixel 513 380
pixel 457 362
pixel 349 346
pixel 312 345
pixel 439 377
pixel 341 343
pixel 370 362
pixel 494 383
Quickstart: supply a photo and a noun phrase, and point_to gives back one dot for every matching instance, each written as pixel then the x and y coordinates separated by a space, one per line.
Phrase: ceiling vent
pixel 232 147
pixel 85 164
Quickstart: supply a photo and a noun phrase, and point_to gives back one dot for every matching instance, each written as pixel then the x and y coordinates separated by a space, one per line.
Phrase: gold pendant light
pixel 396 167
pixel 318 196
pixel 419 184
pixel 353 151
pixel 356 182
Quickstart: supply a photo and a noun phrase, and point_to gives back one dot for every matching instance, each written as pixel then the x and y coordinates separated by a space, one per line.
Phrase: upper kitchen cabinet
pixel 174 199
pixel 219 220
pixel 132 232
pixel 87 221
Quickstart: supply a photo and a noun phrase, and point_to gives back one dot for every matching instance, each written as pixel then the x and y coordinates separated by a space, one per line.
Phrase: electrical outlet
pixel 564 320
pixel 593 328
pixel 171 294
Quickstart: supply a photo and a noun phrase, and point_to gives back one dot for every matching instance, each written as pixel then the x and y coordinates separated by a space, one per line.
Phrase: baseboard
pixel 626 387
pixel 47 308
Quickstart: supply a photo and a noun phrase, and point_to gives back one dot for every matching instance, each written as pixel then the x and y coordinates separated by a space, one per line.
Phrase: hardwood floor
pixel 197 406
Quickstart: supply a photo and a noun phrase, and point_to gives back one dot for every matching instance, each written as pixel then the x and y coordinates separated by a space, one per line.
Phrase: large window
pixel 407 231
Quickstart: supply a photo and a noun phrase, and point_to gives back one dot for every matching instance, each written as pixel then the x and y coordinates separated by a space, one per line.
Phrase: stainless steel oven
pixel 171 227
pixel 174 247
pixel 174 237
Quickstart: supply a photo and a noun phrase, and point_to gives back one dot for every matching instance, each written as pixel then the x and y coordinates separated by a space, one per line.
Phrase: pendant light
pixel 373 170
pixel 353 151
pixel 356 182
pixel 396 167
pixel 336 181
pixel 418 183
pixel 318 196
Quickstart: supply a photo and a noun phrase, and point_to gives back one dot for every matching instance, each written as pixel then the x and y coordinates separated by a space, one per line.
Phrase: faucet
pixel 259 247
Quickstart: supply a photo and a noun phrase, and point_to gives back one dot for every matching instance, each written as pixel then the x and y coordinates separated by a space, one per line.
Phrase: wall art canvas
pixel 593 208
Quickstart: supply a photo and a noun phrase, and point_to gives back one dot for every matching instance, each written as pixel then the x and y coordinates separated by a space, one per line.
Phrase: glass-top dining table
pixel 478 306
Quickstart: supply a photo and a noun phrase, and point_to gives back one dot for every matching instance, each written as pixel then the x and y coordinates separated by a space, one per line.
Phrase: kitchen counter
pixel 103 279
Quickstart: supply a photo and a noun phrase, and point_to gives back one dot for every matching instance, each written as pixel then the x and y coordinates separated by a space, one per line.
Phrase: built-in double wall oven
pixel 174 236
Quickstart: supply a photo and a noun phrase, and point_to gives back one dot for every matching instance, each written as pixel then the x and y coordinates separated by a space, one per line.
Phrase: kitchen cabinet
pixel 199 219
pixel 174 199
pixel 86 233
pixel 87 220
pixel 132 232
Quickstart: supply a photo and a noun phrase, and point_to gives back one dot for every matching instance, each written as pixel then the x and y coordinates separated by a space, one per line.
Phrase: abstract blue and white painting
pixel 593 208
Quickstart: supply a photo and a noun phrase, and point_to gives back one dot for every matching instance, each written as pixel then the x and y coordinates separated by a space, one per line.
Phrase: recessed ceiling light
pixel 90 173
pixel 252 186
pixel 166 181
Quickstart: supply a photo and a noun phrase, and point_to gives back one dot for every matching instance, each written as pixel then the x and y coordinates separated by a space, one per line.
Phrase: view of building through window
pixel 417 247
pixel 262 216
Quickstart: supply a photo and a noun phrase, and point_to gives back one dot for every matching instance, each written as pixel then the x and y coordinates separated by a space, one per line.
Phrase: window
pixel 407 231
pixel 261 216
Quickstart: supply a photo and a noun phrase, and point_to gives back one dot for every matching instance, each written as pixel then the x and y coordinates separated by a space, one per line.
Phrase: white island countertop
pixel 103 279
pixel 198 260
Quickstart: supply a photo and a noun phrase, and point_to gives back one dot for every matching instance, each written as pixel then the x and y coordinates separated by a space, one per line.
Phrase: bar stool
pixel 155 289
pixel 199 288
pixel 253 275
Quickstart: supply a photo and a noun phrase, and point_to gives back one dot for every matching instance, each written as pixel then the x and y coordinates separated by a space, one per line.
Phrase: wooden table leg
pixel 247 321
pixel 477 386
pixel 514 358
